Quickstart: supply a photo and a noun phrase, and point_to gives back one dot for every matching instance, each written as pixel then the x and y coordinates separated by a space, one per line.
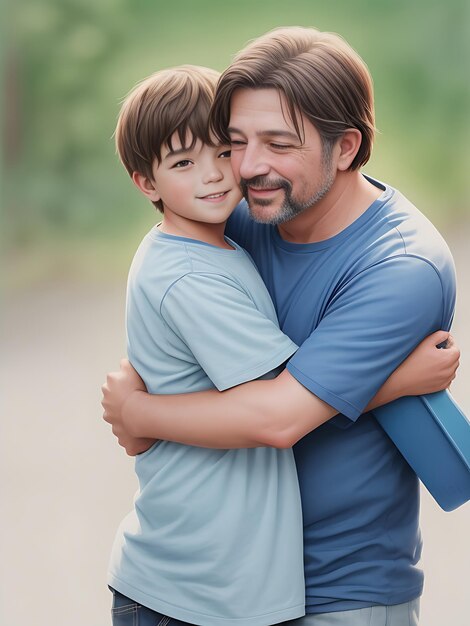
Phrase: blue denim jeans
pixel 126 612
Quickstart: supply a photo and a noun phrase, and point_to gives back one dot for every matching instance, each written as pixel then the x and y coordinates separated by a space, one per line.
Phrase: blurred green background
pixel 69 207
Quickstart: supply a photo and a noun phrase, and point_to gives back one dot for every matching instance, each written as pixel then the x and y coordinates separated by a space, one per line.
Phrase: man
pixel 358 277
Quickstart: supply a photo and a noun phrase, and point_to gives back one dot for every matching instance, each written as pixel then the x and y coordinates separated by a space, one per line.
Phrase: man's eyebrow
pixel 267 133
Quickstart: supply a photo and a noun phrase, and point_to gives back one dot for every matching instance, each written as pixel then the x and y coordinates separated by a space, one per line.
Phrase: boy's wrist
pixel 399 388
pixel 132 413
pixel 393 389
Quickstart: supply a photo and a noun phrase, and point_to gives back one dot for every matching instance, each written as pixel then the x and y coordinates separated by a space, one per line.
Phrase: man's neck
pixel 349 197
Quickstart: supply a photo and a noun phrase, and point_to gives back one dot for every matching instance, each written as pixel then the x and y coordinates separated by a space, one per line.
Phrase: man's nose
pixel 253 164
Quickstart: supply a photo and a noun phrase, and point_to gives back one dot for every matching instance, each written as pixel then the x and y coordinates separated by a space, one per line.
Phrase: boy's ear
pixel 349 145
pixel 146 186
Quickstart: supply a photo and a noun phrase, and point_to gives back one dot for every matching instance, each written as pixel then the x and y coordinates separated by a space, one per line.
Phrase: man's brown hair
pixel 318 73
pixel 175 100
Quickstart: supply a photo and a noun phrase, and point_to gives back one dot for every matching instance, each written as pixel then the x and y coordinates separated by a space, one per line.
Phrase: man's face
pixel 280 175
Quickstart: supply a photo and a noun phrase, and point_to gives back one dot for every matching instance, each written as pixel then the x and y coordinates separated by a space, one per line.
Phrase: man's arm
pixel 274 413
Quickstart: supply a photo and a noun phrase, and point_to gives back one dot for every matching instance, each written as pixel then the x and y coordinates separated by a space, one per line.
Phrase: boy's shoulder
pixel 161 260
pixel 157 255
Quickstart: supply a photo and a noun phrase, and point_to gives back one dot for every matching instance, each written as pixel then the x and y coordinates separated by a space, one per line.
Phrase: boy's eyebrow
pixel 267 133
pixel 173 153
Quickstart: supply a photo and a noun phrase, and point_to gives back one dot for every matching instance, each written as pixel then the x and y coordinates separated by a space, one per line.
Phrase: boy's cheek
pixel 239 195
pixel 235 161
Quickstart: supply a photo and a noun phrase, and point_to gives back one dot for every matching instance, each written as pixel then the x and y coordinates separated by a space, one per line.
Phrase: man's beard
pixel 291 207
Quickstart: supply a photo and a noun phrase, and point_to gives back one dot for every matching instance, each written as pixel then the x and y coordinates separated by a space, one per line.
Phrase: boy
pixel 215 536
pixel 198 546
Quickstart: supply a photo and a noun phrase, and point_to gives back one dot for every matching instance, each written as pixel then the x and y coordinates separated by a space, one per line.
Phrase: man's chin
pixel 264 212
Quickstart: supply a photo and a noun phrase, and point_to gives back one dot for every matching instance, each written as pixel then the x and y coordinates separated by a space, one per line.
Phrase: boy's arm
pixel 370 327
pixel 275 412
pixel 258 413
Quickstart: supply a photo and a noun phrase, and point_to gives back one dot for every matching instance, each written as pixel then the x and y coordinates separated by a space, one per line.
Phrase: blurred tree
pixel 68 63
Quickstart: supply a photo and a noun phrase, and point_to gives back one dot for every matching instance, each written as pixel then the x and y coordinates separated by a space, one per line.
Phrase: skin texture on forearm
pixel 390 390
pixel 274 413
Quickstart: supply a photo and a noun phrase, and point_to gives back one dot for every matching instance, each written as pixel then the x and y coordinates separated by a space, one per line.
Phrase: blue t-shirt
pixel 357 304
pixel 215 536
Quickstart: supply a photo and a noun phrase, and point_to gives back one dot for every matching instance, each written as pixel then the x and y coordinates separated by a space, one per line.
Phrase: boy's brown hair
pixel 175 100
pixel 319 74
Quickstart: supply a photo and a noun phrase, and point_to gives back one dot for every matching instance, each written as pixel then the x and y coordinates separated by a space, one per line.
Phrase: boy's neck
pixel 212 234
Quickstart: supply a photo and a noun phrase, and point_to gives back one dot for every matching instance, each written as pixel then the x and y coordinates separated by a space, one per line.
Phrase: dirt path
pixel 66 484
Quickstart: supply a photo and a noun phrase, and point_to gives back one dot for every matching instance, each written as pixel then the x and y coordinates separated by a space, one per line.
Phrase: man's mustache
pixel 264 182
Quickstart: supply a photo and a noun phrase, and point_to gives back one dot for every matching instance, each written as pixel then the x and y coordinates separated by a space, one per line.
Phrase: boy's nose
pixel 213 174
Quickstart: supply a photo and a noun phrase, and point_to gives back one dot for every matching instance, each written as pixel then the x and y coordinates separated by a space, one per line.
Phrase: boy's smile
pixel 215 197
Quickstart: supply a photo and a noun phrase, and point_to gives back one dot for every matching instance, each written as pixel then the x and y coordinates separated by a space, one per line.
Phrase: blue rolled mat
pixel 433 435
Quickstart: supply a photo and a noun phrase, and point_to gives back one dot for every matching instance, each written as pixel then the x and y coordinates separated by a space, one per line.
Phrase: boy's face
pixel 196 184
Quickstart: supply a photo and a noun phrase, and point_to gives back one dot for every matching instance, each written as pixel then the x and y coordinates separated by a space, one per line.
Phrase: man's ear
pixel 146 186
pixel 349 145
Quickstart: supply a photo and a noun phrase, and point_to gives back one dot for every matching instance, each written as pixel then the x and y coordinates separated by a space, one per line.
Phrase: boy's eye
pixel 183 163
pixel 225 154
pixel 237 143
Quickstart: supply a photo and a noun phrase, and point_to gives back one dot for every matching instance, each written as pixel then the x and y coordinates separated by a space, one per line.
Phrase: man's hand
pixel 117 389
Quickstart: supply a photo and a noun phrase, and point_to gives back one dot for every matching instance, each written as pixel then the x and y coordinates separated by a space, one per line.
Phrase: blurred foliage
pixel 67 64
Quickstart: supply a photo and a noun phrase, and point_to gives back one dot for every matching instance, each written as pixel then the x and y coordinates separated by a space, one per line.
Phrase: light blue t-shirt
pixel 215 536
pixel 356 304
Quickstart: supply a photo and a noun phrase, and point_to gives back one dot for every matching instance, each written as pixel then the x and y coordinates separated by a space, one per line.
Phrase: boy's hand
pixel 118 388
pixel 428 369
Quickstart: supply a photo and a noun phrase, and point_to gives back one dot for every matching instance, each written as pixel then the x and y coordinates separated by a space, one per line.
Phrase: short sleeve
pixel 229 337
pixel 371 325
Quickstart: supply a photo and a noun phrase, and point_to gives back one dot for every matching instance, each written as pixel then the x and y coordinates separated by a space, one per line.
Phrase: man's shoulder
pixel 398 227
pixel 402 249
pixel 416 236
